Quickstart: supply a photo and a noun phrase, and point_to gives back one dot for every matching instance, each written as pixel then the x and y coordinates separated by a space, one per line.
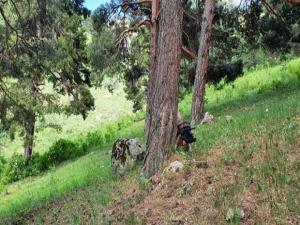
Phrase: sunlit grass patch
pixel 109 107
pixel 28 194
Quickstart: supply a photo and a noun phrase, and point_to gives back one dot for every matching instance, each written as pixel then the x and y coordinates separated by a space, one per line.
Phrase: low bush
pixel 93 139
pixel 62 150
pixel 18 168
pixel 2 163
pixel 14 169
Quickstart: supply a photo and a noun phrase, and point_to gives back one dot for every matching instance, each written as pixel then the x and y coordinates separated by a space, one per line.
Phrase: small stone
pixel 201 164
pixel 186 188
pixel 147 212
pixel 177 222
pixel 208 118
pixel 98 117
pixel 228 119
pixel 105 219
pixel 175 166
pixel 235 214
pixel 241 213
pixel 230 214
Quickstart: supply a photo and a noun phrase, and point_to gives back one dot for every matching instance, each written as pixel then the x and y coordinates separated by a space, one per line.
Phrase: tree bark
pixel 29 134
pixel 40 19
pixel 202 64
pixel 294 2
pixel 29 124
pixel 164 89
pixel 153 55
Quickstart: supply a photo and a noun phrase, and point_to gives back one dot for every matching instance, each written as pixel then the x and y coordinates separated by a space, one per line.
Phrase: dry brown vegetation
pixel 246 175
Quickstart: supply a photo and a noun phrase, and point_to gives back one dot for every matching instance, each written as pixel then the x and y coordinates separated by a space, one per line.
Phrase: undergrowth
pixel 257 144
pixel 16 168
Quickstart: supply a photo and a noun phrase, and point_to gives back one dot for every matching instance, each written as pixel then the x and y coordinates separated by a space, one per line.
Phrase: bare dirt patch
pixel 186 197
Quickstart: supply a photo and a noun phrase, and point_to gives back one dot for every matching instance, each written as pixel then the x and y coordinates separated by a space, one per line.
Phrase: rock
pixel 208 118
pixel 177 222
pixel 228 118
pixel 235 214
pixel 125 154
pixel 201 164
pixel 186 188
pixel 98 117
pixel 175 166
pixel 105 219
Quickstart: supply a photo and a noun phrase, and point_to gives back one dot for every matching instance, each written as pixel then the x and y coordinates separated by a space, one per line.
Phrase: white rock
pixel 98 117
pixel 125 154
pixel 208 118
pixel 235 213
pixel 228 118
pixel 175 166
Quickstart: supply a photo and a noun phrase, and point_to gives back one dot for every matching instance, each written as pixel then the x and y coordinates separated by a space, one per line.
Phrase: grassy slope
pixel 28 194
pixel 261 101
pixel 108 108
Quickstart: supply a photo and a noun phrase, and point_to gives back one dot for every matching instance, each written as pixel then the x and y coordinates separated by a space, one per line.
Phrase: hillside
pixel 108 107
pixel 249 170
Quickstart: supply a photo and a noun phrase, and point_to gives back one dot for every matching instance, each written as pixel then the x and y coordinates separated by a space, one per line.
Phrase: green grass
pixel 23 196
pixel 31 193
pixel 109 107
pixel 263 104
pixel 256 98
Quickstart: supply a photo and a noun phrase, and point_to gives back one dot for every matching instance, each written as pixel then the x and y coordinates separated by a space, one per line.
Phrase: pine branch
pixel 124 33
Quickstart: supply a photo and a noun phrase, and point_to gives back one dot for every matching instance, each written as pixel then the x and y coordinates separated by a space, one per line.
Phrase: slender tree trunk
pixel 30 115
pixel 41 15
pixel 202 64
pixel 163 111
pixel 153 60
pixel 29 134
pixel 29 123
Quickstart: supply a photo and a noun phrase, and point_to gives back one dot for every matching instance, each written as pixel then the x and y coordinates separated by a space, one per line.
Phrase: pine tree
pixel 42 44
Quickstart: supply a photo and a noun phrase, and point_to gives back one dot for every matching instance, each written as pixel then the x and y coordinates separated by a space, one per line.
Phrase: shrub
pixel 94 139
pixel 2 188
pixel 14 169
pixel 111 133
pixel 60 151
pixel 2 164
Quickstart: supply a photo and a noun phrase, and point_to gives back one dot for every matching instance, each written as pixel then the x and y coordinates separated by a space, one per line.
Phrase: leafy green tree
pixel 239 31
pixel 42 42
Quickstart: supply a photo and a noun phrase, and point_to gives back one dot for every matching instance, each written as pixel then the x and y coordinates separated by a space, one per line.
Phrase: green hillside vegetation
pixel 58 126
pixel 261 144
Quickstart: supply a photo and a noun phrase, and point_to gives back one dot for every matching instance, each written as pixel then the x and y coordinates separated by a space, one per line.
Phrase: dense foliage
pixel 244 35
pixel 42 44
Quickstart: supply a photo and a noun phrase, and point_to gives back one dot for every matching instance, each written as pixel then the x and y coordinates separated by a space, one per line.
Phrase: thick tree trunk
pixel 202 64
pixel 153 61
pixel 163 111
